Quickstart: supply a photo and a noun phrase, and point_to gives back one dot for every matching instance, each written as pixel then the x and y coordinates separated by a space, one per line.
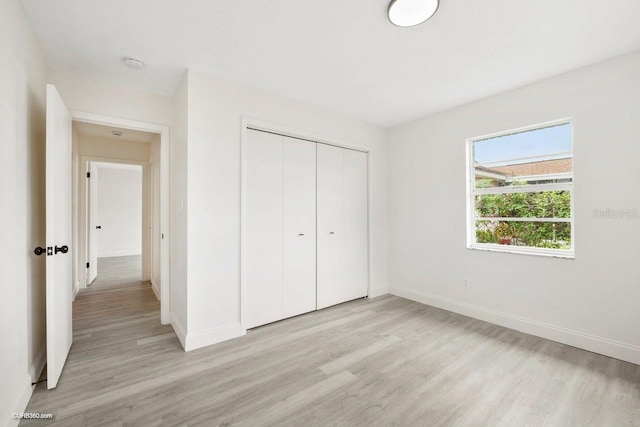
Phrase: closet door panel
pixel 263 234
pixel 356 228
pixel 330 197
pixel 299 286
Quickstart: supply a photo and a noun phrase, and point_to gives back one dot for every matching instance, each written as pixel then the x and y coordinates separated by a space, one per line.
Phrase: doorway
pixel 109 149
pixel 118 225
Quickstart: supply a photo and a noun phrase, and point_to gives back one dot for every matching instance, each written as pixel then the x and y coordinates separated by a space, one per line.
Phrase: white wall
pixel 94 146
pixel 178 211
pixel 119 210
pixel 156 238
pixel 89 96
pixel 215 109
pixel 589 302
pixel 22 137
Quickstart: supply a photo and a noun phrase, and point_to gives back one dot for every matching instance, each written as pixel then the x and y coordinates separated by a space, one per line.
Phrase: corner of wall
pixel 155 289
pixel 211 336
pixel 39 361
pixel 179 329
pixel 378 292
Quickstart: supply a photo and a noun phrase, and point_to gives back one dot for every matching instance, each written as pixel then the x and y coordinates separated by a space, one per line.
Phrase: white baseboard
pixel 376 292
pixel 76 289
pixel 36 368
pixel 24 390
pixel 156 291
pixel 213 336
pixel 607 347
pixel 180 331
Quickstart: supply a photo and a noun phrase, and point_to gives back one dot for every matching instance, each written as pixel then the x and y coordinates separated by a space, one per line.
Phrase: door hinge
pixel 88 174
pixel 87 265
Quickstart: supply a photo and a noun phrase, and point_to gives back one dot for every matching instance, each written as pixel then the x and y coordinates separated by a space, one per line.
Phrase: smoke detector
pixel 133 63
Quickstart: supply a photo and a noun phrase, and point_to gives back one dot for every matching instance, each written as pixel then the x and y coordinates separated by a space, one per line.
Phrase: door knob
pixel 301 234
pixel 64 249
pixel 39 251
pixel 331 232
pixel 98 227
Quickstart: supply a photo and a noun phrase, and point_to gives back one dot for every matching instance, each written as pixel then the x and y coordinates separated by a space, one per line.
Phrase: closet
pixel 342 230
pixel 304 226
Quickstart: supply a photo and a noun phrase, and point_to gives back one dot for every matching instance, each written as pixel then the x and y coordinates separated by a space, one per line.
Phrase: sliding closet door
pixel 356 227
pixel 263 228
pixel 299 183
pixel 342 225
pixel 330 223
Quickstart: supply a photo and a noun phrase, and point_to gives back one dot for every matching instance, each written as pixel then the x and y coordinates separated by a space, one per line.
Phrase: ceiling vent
pixel 133 63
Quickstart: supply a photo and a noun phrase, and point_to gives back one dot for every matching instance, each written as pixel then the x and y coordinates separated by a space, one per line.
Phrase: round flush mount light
pixel 133 63
pixel 407 13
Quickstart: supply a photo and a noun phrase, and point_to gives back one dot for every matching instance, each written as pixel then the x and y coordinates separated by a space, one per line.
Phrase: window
pixel 521 191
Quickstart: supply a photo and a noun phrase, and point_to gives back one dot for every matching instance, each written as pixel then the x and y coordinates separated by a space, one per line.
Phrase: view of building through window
pixel 522 189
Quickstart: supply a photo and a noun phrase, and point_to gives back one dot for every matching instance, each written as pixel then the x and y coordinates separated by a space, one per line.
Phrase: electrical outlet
pixel 465 283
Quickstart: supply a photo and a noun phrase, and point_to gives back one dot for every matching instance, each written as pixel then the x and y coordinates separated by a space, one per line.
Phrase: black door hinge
pixel 88 174
pixel 87 265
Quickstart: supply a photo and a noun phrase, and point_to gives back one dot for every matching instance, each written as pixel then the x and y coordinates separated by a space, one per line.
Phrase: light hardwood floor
pixel 117 272
pixel 382 362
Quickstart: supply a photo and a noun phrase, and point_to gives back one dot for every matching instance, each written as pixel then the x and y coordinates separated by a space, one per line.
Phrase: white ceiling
pixel 101 131
pixel 339 54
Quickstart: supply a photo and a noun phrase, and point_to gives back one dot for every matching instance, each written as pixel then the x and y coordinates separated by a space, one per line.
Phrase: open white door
pixel 58 217
pixel 92 242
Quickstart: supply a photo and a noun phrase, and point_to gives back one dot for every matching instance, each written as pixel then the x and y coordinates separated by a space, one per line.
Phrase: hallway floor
pixel 117 272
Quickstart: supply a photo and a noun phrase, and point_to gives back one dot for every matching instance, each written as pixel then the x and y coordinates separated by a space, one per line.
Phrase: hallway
pixel 118 272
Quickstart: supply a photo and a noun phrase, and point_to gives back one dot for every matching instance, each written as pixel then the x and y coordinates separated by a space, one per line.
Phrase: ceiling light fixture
pixel 133 63
pixel 407 13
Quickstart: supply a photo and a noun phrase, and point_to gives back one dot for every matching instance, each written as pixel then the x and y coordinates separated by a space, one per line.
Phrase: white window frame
pixel 472 192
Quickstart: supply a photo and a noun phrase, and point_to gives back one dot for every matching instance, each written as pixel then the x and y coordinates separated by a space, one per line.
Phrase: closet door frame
pixel 259 125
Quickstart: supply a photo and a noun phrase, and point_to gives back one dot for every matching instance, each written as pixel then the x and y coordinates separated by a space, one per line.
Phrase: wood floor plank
pixel 381 362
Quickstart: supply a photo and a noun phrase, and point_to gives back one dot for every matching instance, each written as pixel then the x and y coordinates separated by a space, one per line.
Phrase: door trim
pixel 164 132
pixel 259 125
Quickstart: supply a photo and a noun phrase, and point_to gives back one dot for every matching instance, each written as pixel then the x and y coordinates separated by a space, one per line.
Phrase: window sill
pixel 550 253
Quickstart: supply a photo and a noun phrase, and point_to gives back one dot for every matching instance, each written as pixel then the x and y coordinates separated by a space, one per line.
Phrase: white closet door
pixel 263 233
pixel 299 260
pixel 356 227
pixel 330 194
